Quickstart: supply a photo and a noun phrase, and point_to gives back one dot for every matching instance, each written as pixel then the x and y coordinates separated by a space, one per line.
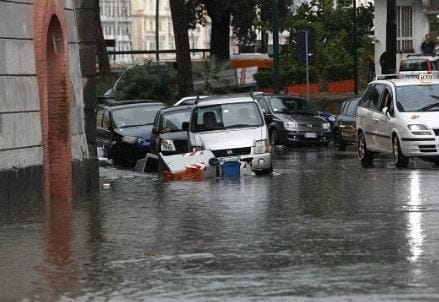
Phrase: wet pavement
pixel 320 228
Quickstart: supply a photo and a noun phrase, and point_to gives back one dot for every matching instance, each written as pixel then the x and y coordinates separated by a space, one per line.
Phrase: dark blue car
pixel 124 129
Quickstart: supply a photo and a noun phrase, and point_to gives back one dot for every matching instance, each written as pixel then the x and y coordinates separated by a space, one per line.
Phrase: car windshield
pixel 415 98
pixel 134 116
pixel 173 121
pixel 292 106
pixel 227 116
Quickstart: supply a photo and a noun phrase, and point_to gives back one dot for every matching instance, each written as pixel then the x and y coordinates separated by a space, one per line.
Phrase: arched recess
pixel 53 82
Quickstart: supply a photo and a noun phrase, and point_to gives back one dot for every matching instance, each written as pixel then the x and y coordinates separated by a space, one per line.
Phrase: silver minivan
pixel 232 126
pixel 399 117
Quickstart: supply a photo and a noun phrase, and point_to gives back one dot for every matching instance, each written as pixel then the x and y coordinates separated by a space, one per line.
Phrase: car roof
pixel 176 108
pixel 131 103
pixel 230 98
pixel 405 82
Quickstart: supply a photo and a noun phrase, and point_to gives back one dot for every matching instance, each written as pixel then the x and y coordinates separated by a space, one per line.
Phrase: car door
pixel 382 120
pixel 365 118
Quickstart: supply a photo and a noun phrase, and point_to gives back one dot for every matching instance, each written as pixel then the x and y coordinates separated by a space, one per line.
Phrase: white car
pixel 232 126
pixel 399 117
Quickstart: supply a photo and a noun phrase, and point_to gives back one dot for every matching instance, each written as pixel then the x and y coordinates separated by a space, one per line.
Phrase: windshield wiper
pixel 428 107
pixel 240 126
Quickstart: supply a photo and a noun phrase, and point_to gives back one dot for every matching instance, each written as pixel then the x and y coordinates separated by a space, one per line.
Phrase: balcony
pixel 430 7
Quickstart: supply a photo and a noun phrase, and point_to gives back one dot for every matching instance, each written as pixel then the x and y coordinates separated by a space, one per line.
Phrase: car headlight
pixel 326 126
pixel 167 145
pixel 130 139
pixel 417 127
pixel 262 146
pixel 290 125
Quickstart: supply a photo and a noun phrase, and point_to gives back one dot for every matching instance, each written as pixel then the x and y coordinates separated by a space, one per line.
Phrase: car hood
pixel 231 138
pixel 143 131
pixel 177 135
pixel 429 119
pixel 301 118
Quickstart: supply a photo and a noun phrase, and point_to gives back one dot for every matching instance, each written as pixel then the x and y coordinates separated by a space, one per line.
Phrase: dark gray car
pixel 294 121
pixel 344 128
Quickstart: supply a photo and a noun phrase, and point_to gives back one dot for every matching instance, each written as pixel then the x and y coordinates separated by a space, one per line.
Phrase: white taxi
pixel 399 117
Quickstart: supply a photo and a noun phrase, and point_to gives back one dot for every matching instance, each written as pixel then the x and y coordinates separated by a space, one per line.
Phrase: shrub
pixel 338 72
pixel 147 81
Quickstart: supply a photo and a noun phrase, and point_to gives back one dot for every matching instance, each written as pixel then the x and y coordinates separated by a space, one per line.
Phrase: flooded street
pixel 321 228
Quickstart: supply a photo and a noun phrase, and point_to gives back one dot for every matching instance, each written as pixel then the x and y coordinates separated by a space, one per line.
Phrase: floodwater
pixel 320 228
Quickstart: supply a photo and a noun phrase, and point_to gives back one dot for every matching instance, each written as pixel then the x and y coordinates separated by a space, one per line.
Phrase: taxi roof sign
pixel 425 77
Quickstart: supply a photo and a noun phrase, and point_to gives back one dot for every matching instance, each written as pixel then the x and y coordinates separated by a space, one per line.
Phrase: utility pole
pixel 275 4
pixel 157 49
pixel 389 58
pixel 354 16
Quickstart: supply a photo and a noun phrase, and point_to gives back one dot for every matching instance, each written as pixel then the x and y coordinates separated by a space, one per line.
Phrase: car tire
pixel 117 157
pixel 399 159
pixel 365 156
pixel 274 137
pixel 339 143
pixel 264 171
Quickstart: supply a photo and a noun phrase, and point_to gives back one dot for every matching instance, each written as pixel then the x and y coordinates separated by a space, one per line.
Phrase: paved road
pixel 319 229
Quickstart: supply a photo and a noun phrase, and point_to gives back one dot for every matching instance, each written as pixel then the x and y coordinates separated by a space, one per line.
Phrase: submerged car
pixel 124 128
pixel 344 128
pixel 231 127
pixel 167 135
pixel 294 121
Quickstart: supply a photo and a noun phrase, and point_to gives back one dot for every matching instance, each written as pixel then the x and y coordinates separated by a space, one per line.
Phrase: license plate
pixel 310 135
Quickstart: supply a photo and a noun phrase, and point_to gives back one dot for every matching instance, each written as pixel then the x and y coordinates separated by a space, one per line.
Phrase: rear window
pixel 415 65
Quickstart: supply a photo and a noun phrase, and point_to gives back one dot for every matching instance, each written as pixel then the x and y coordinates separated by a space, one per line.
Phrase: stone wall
pixel 23 95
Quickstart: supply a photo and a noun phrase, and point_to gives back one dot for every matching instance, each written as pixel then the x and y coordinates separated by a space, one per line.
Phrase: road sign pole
pixel 307 64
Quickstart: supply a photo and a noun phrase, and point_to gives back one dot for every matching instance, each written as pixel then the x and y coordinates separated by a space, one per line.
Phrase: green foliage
pixel 333 41
pixel 337 72
pixel 147 81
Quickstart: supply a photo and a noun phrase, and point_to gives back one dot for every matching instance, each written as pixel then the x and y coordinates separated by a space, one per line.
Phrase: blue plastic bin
pixel 231 169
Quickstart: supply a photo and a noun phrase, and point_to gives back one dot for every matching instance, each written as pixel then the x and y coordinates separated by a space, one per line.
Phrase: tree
pixel 180 22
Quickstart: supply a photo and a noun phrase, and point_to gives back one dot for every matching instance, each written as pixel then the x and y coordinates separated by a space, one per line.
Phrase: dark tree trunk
pixel 101 49
pixel 220 34
pixel 184 65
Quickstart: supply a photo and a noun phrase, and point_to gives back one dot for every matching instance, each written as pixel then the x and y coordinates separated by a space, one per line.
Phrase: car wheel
pixel 399 159
pixel 365 156
pixel 264 171
pixel 117 156
pixel 274 137
pixel 340 144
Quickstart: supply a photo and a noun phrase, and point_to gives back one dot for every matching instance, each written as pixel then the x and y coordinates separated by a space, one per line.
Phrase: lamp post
pixel 354 16
pixel 157 49
pixel 275 17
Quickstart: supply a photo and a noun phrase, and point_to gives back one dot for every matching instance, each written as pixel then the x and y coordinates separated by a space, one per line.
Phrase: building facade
pixel 414 18
pixel 116 24
pixel 144 30
pixel 47 100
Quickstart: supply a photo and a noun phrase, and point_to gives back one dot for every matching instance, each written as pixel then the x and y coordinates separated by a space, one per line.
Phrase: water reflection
pixel 59 272
pixel 415 232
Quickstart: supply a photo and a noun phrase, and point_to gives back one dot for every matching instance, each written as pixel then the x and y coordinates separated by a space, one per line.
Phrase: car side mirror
pixel 268 118
pixel 185 126
pixel 154 131
pixel 385 111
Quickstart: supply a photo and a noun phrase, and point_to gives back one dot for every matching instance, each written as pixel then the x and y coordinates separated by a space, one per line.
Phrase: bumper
pixel 420 147
pixel 302 137
pixel 258 161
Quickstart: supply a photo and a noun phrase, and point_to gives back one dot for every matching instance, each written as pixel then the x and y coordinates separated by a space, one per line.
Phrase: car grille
pixel 436 132
pixel 232 152
pixel 427 148
pixel 306 127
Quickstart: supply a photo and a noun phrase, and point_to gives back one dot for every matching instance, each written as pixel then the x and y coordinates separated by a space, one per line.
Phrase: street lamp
pixel 354 16
pixel 275 17
pixel 157 50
